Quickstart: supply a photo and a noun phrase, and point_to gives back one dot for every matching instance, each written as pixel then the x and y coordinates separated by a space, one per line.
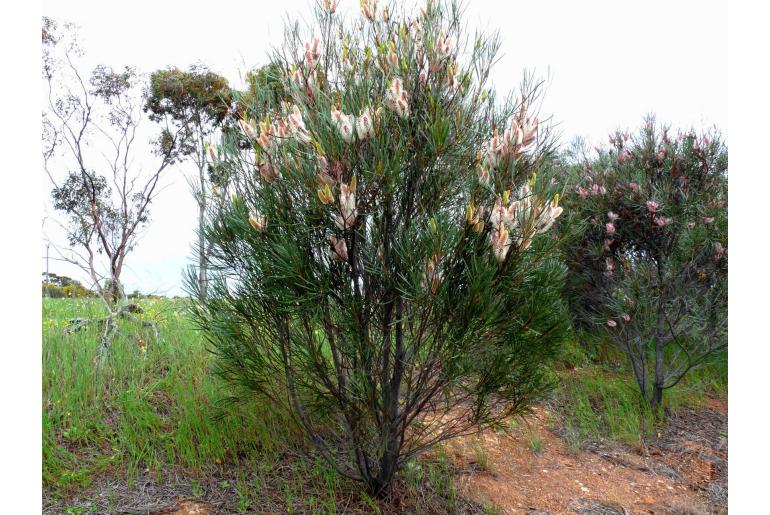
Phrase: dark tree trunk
pixel 657 398
pixel 657 387
pixel 380 486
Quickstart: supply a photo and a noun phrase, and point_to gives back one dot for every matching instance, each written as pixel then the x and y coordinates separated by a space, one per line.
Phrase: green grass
pixel 145 405
pixel 536 443
pixel 480 455
pixel 154 408
pixel 598 398
pixel 596 404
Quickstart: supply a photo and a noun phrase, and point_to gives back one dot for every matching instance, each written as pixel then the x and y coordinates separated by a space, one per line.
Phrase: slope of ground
pixel 526 469
pixel 530 469
pixel 143 432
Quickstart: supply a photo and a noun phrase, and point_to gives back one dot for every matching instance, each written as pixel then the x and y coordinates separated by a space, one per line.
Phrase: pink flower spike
pixel 612 216
pixel 257 221
pixel 500 241
pixel 268 173
pixel 369 9
pixel 652 206
pixel 610 228
pixel 442 45
pixel 719 251
pixel 339 250
pixel 213 152
pixel 330 6
pixel 311 53
pixel 298 125
pixel 396 98
pixel 364 125
pixel 612 323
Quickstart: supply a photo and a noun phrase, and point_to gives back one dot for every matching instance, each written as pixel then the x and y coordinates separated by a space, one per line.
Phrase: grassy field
pixel 154 409
pixel 147 405
pixel 597 396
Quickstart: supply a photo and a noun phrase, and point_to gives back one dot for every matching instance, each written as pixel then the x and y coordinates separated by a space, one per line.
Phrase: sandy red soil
pixel 682 470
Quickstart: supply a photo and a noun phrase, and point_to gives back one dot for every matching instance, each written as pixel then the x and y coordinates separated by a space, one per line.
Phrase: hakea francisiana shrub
pixel 383 267
pixel 649 265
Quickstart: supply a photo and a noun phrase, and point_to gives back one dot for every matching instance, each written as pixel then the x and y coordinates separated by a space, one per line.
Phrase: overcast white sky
pixel 609 63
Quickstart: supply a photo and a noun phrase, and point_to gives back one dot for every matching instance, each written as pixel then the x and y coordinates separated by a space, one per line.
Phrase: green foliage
pixel 536 443
pixel 197 101
pixel 648 270
pixel 384 275
pixel 111 85
pixel 61 286
pixel 264 82
pixel 70 291
pixel 197 97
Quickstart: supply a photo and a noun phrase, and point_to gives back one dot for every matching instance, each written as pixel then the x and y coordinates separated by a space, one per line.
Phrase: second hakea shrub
pixel 648 266
pixel 381 253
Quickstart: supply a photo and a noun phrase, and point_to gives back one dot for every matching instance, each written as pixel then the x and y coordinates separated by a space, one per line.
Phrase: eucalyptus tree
pixel 196 102
pixel 90 129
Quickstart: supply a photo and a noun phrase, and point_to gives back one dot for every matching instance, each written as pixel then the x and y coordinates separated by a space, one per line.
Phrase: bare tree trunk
pixel 47 277
pixel 201 161
pixel 202 272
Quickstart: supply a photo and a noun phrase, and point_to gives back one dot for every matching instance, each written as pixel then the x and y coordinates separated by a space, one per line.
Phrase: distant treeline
pixel 60 286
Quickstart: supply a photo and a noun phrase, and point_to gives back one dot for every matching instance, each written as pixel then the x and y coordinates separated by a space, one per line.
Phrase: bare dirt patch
pixel 530 469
